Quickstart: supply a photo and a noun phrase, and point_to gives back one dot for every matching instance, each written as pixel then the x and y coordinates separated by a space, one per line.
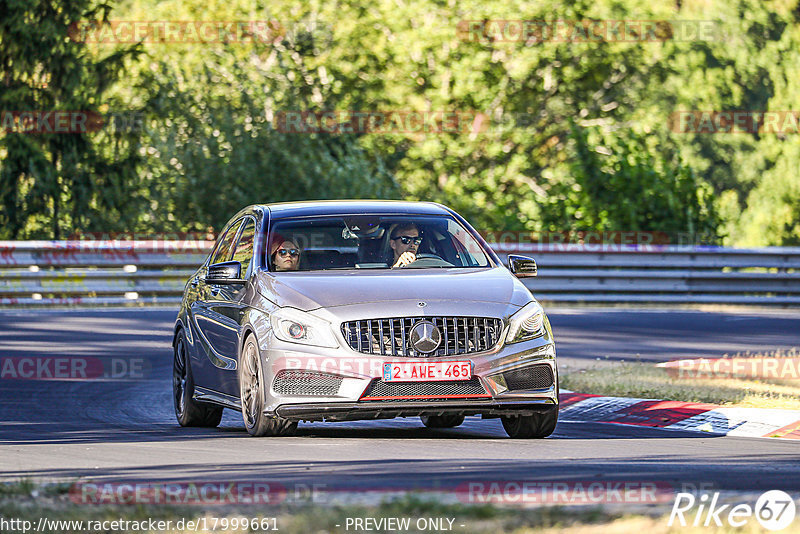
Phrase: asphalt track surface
pixel 125 430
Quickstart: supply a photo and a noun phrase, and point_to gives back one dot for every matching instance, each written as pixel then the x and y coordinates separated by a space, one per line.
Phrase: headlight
pixel 527 323
pixel 296 326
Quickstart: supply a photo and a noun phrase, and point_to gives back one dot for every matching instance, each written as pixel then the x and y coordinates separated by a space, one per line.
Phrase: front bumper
pixel 354 411
pixel 353 402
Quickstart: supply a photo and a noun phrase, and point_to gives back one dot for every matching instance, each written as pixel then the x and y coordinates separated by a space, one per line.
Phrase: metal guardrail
pixel 41 273
pixel 663 273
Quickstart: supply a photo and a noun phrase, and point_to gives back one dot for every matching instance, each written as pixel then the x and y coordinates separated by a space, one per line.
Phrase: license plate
pixel 426 371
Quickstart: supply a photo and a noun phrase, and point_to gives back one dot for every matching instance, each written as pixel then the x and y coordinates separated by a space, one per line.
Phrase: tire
pixel 251 393
pixel 442 421
pixel 188 411
pixel 530 426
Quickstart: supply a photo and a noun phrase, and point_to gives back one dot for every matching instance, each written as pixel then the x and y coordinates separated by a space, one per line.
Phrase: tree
pixel 216 144
pixel 52 184
pixel 619 185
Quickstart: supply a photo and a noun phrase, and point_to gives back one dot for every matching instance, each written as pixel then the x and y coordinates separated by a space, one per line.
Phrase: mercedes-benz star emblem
pixel 425 337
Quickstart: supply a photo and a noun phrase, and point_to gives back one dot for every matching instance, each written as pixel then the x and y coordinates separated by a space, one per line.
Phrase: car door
pixel 217 332
pixel 229 305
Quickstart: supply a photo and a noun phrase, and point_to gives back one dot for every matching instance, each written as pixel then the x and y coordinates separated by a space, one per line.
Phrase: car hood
pixel 312 290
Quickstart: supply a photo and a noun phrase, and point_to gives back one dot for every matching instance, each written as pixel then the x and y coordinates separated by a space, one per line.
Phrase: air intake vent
pixel 452 389
pixel 306 384
pixel 538 376
pixel 458 335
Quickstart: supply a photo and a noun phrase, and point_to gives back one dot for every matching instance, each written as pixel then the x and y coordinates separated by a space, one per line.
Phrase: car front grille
pixel 391 337
pixel 306 384
pixel 450 389
pixel 538 376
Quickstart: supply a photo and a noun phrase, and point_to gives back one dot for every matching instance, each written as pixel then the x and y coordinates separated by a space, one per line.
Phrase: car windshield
pixel 371 242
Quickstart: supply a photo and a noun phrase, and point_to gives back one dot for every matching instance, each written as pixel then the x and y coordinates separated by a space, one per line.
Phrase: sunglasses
pixel 291 252
pixel 406 239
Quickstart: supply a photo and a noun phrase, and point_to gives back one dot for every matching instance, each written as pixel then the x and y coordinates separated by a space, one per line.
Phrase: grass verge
pixel 645 380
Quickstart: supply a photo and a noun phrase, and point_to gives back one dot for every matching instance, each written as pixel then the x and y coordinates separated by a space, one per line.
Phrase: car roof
pixel 283 210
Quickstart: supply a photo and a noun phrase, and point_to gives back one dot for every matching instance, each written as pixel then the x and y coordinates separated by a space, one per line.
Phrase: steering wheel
pixel 428 260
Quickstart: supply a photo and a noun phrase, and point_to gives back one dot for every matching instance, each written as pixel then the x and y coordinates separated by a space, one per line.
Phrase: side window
pixel 223 252
pixel 244 247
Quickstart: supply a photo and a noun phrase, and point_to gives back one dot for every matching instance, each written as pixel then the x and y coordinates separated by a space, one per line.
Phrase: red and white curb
pixel 675 415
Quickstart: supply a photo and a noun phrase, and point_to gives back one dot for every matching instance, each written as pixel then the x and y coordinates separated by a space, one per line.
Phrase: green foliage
pixel 580 135
pixel 52 183
pixel 211 135
pixel 214 154
pixel 773 208
pixel 618 184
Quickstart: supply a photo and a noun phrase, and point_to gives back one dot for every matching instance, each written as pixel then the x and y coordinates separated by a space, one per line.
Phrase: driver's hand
pixel 405 259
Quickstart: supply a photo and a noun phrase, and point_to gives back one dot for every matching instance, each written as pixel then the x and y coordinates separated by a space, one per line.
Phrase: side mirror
pixel 521 266
pixel 226 272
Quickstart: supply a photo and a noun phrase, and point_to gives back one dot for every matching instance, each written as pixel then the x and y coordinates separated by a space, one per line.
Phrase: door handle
pixel 215 290
pixel 195 281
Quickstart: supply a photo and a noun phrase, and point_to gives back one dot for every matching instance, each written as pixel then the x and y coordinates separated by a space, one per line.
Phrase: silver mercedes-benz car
pixel 352 310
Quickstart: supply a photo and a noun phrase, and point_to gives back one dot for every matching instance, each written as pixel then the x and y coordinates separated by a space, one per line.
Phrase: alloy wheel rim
pixel 179 378
pixel 250 386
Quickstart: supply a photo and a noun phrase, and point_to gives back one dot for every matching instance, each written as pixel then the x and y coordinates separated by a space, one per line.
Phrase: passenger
pixel 285 255
pixel 405 241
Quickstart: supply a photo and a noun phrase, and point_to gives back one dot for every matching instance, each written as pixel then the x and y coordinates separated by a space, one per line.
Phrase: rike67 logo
pixel 774 510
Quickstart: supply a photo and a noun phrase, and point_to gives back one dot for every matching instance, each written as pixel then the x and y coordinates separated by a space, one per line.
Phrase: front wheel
pixel 188 411
pixel 538 425
pixel 251 392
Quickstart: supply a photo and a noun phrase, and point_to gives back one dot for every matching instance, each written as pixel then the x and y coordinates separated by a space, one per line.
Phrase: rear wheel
pixel 538 425
pixel 188 411
pixel 251 391
pixel 442 421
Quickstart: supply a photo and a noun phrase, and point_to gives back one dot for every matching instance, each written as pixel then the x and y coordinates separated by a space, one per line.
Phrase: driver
pixel 405 241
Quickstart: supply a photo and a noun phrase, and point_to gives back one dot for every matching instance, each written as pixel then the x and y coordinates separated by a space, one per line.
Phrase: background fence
pixel 42 273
